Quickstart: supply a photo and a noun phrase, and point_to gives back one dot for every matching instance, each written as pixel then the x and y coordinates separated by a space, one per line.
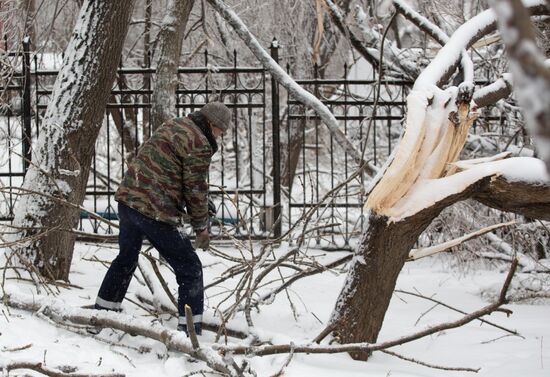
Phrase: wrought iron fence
pixel 246 177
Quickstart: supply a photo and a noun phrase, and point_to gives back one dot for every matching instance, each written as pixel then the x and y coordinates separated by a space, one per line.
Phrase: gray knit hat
pixel 218 114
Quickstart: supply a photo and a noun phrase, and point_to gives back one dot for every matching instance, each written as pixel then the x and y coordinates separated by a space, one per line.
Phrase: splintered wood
pixel 435 132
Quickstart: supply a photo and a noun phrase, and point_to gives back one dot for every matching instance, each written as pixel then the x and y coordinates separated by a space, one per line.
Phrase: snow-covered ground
pixel 476 345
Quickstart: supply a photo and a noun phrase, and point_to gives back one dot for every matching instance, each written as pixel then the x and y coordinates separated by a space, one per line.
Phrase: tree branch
pixel 59 312
pixel 524 198
pixel 437 34
pixel 416 254
pixel 285 80
pixel 367 347
pixel 433 366
pixel 442 67
pixel 338 18
pixel 40 368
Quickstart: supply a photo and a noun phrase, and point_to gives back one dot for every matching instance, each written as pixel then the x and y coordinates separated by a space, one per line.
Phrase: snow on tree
pixel 286 81
pixel 54 185
pixel 423 179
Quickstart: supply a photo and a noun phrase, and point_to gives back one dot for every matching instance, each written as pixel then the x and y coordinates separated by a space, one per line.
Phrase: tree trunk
pixel 125 121
pixel 29 10
pixel 384 248
pixel 146 124
pixel 65 147
pixel 163 103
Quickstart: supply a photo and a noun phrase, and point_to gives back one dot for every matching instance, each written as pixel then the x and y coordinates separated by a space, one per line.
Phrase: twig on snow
pixel 433 366
pixel 41 368
pixel 367 347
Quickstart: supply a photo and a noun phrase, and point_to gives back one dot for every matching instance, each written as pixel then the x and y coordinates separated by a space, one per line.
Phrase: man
pixel 168 175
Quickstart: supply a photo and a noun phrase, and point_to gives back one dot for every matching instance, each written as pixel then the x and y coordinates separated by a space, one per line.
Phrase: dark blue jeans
pixel 174 247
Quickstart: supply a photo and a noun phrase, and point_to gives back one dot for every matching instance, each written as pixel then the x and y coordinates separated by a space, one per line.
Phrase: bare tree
pixel 62 156
pixel 163 106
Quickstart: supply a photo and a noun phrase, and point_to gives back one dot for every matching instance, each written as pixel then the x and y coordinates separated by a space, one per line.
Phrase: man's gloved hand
pixel 202 240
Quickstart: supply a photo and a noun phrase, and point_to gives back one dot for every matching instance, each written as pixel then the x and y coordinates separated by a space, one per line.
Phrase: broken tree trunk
pixel 421 181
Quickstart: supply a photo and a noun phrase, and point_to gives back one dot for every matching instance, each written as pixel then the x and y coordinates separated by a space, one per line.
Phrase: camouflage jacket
pixel 170 173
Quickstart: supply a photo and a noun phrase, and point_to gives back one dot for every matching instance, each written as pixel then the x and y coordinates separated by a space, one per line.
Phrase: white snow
pixel 426 192
pixel 475 345
pixel 502 83
pixel 461 39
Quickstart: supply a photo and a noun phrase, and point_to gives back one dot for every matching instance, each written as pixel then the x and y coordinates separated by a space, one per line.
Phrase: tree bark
pixel 62 156
pixel 523 198
pixel 29 10
pixel 385 246
pixel 163 103
pixel 125 121
pixel 381 254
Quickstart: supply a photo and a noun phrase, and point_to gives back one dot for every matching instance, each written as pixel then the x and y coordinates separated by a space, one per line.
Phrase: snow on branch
pixel 532 76
pixel 338 18
pixel 442 67
pixel 58 311
pixel 6 366
pixel 392 54
pixel 421 22
pixel 423 252
pixel 437 34
pixel 425 192
pixel 285 80
pixel 494 92
pixel 498 90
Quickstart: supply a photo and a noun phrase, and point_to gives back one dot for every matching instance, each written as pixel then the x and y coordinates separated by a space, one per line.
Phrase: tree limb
pixel 440 303
pixel 285 80
pixel 41 368
pixel 433 366
pixel 174 340
pixel 338 18
pixel 437 34
pixel 367 347
pixel 442 67
pixel 524 198
pixel 416 254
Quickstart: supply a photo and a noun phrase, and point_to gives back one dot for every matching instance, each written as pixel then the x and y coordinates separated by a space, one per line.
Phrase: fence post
pixel 277 217
pixel 27 110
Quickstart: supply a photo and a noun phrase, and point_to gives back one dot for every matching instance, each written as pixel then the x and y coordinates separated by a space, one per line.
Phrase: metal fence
pixel 323 165
pixel 245 175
